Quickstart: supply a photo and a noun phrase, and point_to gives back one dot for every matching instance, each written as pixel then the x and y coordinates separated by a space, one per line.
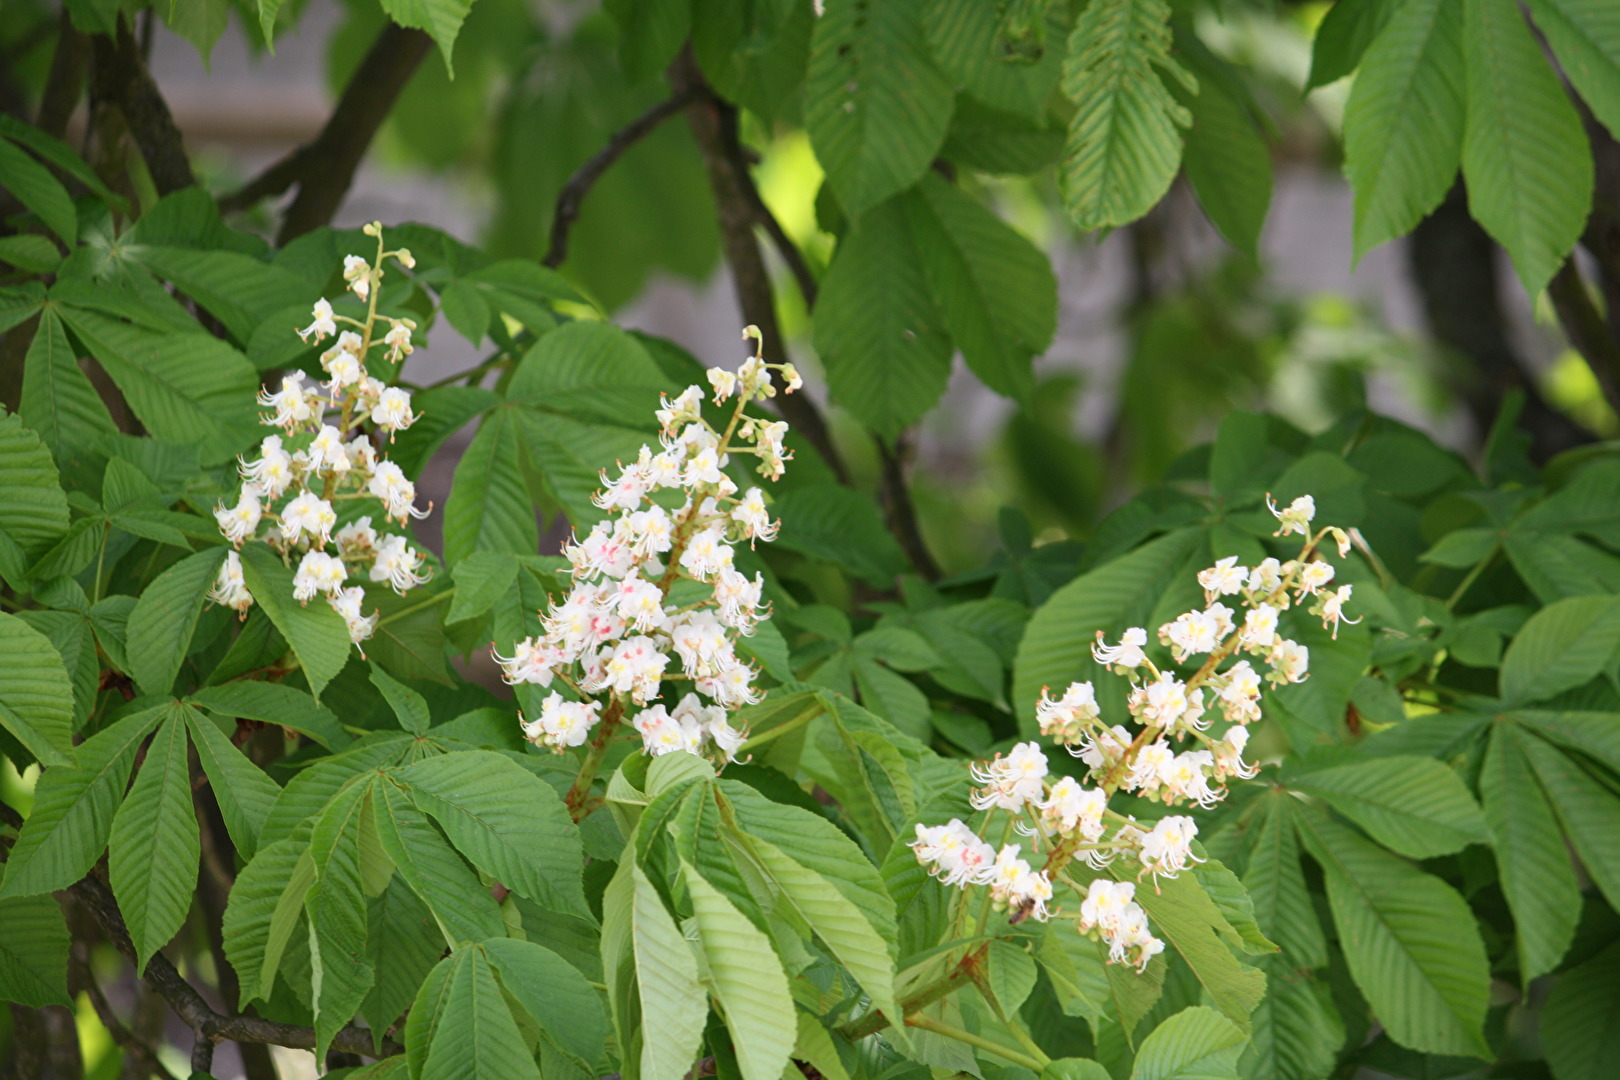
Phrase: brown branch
pixel 134 1047
pixel 899 510
pixel 273 181
pixel 65 81
pixel 329 166
pixel 572 195
pixel 119 77
pixel 714 124
pixel 1583 325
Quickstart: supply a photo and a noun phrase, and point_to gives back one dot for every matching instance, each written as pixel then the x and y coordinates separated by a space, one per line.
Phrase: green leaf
pixel 244 793
pixel 1275 882
pixel 747 978
pixel 1124 141
pixel 1194 1044
pixel 1590 812
pixel 965 38
pixel 652 977
pixel 754 51
pixel 1536 875
pixel 1236 907
pixel 31 252
pixel 56 152
pixel 317 633
pixel 507 821
pixel 1409 939
pixel 73 810
pixel 1343 35
pixel 402 947
pixel 591 370
pixel 1056 646
pixel 34 952
pixel 440 414
pixel 1525 155
pixel 275 703
pixel 1564 645
pixel 154 846
pixel 33 509
pixel 1580 1024
pixel 1226 158
pixel 59 402
pixel 482 578
pixel 409 707
pixel 36 698
pixel 441 19
pixel 1585 36
pixel 462 906
pixel 1074 1069
pixel 267 21
pixel 1298 1031
pixel 1011 975
pixel 554 994
pixel 876 107
pixel 1416 806
pixel 341 971
pixel 835 523
pixel 186 388
pixel 489 508
pixel 1182 913
pixel 994 289
pixel 237 289
pixel 33 185
pixel 650 33
pixel 165 618
pixel 1403 124
pixel 265 903
pixel 878 331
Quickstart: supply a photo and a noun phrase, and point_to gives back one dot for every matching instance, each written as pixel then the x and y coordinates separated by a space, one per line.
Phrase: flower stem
pixel 578 798
pixel 436 598
pixel 950 1031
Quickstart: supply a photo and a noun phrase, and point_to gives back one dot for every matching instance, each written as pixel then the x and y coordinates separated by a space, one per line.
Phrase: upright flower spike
pixel 1170 759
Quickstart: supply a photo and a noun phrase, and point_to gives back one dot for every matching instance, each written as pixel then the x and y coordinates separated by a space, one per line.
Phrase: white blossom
pixel 1296 518
pixel 229 588
pixel 1225 578
pixel 397 564
pixel 318 572
pixel 1125 656
pixel 239 522
pixel 308 514
pixel 324 325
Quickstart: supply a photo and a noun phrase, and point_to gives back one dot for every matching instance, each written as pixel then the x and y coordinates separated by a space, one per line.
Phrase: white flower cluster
pixel 617 636
pixel 1068 820
pixel 324 455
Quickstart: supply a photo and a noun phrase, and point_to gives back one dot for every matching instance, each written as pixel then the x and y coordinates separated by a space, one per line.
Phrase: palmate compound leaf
pixel 554 994
pixel 1415 806
pixel 165 618
pixel 1409 939
pixel 425 861
pixel 73 809
pixel 1536 874
pixel 1589 811
pixel 36 698
pixel 506 821
pixel 876 108
pixel 659 1007
pixel 747 979
pixel 1404 121
pixel 1297 1030
pixel 1124 141
pixel 1525 154
pixel 154 847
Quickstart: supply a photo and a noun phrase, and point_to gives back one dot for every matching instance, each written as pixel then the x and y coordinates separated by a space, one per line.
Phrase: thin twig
pixel 900 511
pixel 126 1039
pixel 572 195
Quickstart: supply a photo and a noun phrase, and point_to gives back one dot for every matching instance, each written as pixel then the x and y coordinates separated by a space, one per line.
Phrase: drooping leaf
pixel 441 19
pixel 1404 121
pixel 1585 36
pixel 154 846
pixel 59 402
pixel 33 185
pixel 555 995
pixel 33 509
pixel 652 977
pixel 1342 38
pixel 489 507
pixel 244 793
pixel 1578 1025
pixel 1277 885
pixel 965 39
pixel 34 952
pixel 275 703
pixel 165 618
pixel 1590 812
pixel 266 901
pixel 1297 1031
pixel 1413 805
pixel 316 632
pixel 36 698
pixel 876 106
pixel 1226 159
pixel 426 862
pixel 341 971
pixel 1525 154
pixel 1124 141
pixel 460 1027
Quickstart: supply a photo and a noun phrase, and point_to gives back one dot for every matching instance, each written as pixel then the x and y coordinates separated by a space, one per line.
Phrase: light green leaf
pixel 33 185
pixel 1416 806
pixel 994 289
pixel 165 618
pixel 1585 36
pixel 1404 121
pixel 876 106
pixel 1590 812
pixel 267 21
pixel 441 19
pixel 1410 942
pixel 1562 646
pixel 1536 875
pixel 1236 906
pixel 341 971
pixel 1056 646
pixel 1194 1044
pixel 410 707
pixel 461 1028
pixel 1579 1032
pixel 34 952
pixel 1124 144
pixel 1074 1069
pixel 33 509
pixel 275 703
pixel 1189 922
pixel 747 978
pixel 667 1007
pixel 877 328
pixel 317 634
pixel 425 861
pixel 506 821
pixel 154 846
pixel 59 402
pixel 489 508
pixel 482 578
pixel 73 809
pixel 1525 155
pixel 555 995
pixel 244 793
pixel 266 901
pixel 36 696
